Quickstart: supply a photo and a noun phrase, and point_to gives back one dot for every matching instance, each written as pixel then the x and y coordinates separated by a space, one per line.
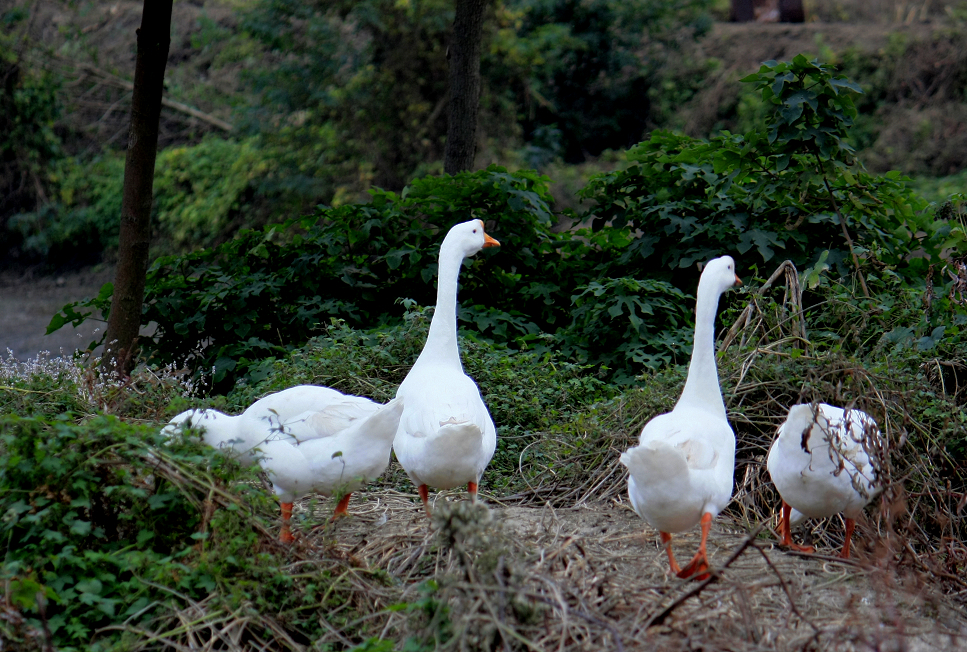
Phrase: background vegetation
pixel 298 222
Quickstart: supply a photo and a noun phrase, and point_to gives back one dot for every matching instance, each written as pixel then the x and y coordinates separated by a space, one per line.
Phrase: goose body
pixel 280 424
pixel 820 466
pixel 446 437
pixel 284 414
pixel 680 473
pixel 336 462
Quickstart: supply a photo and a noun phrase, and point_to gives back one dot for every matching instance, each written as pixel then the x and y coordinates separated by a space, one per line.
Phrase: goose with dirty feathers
pixel 820 465
pixel 680 473
pixel 314 459
pixel 275 413
pixel 446 437
pixel 291 418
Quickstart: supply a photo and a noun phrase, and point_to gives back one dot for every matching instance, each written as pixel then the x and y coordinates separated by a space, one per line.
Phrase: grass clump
pixel 529 394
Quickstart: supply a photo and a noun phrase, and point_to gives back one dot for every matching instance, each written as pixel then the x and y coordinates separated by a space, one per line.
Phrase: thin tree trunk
pixel 154 37
pixel 464 85
pixel 742 11
pixel 791 11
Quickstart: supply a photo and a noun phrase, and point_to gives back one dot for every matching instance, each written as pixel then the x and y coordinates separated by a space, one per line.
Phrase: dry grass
pixel 587 578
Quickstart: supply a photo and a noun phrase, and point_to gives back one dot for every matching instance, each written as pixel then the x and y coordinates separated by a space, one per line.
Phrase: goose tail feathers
pixel 655 462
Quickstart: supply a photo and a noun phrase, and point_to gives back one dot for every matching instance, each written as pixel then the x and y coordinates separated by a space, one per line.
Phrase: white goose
pixel 276 413
pixel 285 419
pixel 446 437
pixel 820 467
pixel 680 473
pixel 328 463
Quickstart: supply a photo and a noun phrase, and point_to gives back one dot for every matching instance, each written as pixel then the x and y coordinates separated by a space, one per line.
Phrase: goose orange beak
pixel 738 281
pixel 490 242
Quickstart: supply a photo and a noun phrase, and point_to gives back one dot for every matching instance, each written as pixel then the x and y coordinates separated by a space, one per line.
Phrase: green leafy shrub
pixel 787 189
pixel 584 74
pixel 612 296
pixel 83 520
pixel 266 292
pixel 29 145
pixel 202 193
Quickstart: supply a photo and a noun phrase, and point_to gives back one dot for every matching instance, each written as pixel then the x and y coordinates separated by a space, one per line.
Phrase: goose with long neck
pixel 680 473
pixel 820 466
pixel 446 437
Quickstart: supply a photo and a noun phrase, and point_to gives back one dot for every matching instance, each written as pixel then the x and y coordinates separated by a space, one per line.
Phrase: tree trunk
pixel 742 11
pixel 791 11
pixel 154 37
pixel 464 58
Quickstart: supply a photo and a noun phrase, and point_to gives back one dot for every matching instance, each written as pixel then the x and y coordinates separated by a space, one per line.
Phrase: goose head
pixel 213 424
pixel 719 274
pixel 467 238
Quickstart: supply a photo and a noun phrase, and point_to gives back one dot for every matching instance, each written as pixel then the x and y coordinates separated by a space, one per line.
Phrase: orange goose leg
pixel 786 530
pixel 698 567
pixel 424 492
pixel 472 490
pixel 341 508
pixel 850 524
pixel 667 540
pixel 285 535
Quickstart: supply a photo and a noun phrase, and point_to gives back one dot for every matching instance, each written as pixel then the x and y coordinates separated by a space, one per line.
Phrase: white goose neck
pixel 441 342
pixel 702 390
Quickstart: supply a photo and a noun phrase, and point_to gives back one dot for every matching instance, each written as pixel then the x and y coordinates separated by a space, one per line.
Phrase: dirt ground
pixel 600 581
pixel 28 301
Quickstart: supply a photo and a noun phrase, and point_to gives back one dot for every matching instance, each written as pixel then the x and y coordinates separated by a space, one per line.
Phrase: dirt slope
pixel 600 582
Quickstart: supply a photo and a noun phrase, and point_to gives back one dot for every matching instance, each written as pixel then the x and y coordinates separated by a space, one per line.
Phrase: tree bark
pixel 791 11
pixel 464 58
pixel 743 11
pixel 123 325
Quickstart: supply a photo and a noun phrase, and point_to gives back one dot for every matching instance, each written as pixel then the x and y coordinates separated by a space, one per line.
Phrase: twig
pixel 171 104
pixel 849 240
pixel 660 617
pixel 785 588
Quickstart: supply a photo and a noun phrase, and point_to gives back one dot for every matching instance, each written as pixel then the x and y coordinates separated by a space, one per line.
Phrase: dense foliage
pixel 102 525
pixel 28 112
pixel 610 296
pixel 366 82
pixel 790 188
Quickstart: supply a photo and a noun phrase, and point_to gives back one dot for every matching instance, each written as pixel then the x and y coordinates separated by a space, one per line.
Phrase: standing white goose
pixel 820 466
pixel 680 473
pixel 446 437
pixel 328 462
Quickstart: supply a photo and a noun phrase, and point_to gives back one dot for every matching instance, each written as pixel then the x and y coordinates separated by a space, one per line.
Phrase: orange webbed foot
pixel 697 569
pixel 795 547
pixel 285 534
pixel 341 508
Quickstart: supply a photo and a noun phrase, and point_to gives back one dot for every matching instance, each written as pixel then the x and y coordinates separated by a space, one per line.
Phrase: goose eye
pixel 475 230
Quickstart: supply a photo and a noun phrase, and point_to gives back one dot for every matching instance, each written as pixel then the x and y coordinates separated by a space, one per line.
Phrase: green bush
pixel 786 189
pixel 612 296
pixel 202 193
pixel 98 538
pixel 267 292
pixel 584 74
pixel 29 144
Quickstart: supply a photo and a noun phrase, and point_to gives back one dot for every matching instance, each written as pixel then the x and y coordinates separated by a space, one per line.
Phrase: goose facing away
pixel 446 437
pixel 334 462
pixel 680 473
pixel 820 467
